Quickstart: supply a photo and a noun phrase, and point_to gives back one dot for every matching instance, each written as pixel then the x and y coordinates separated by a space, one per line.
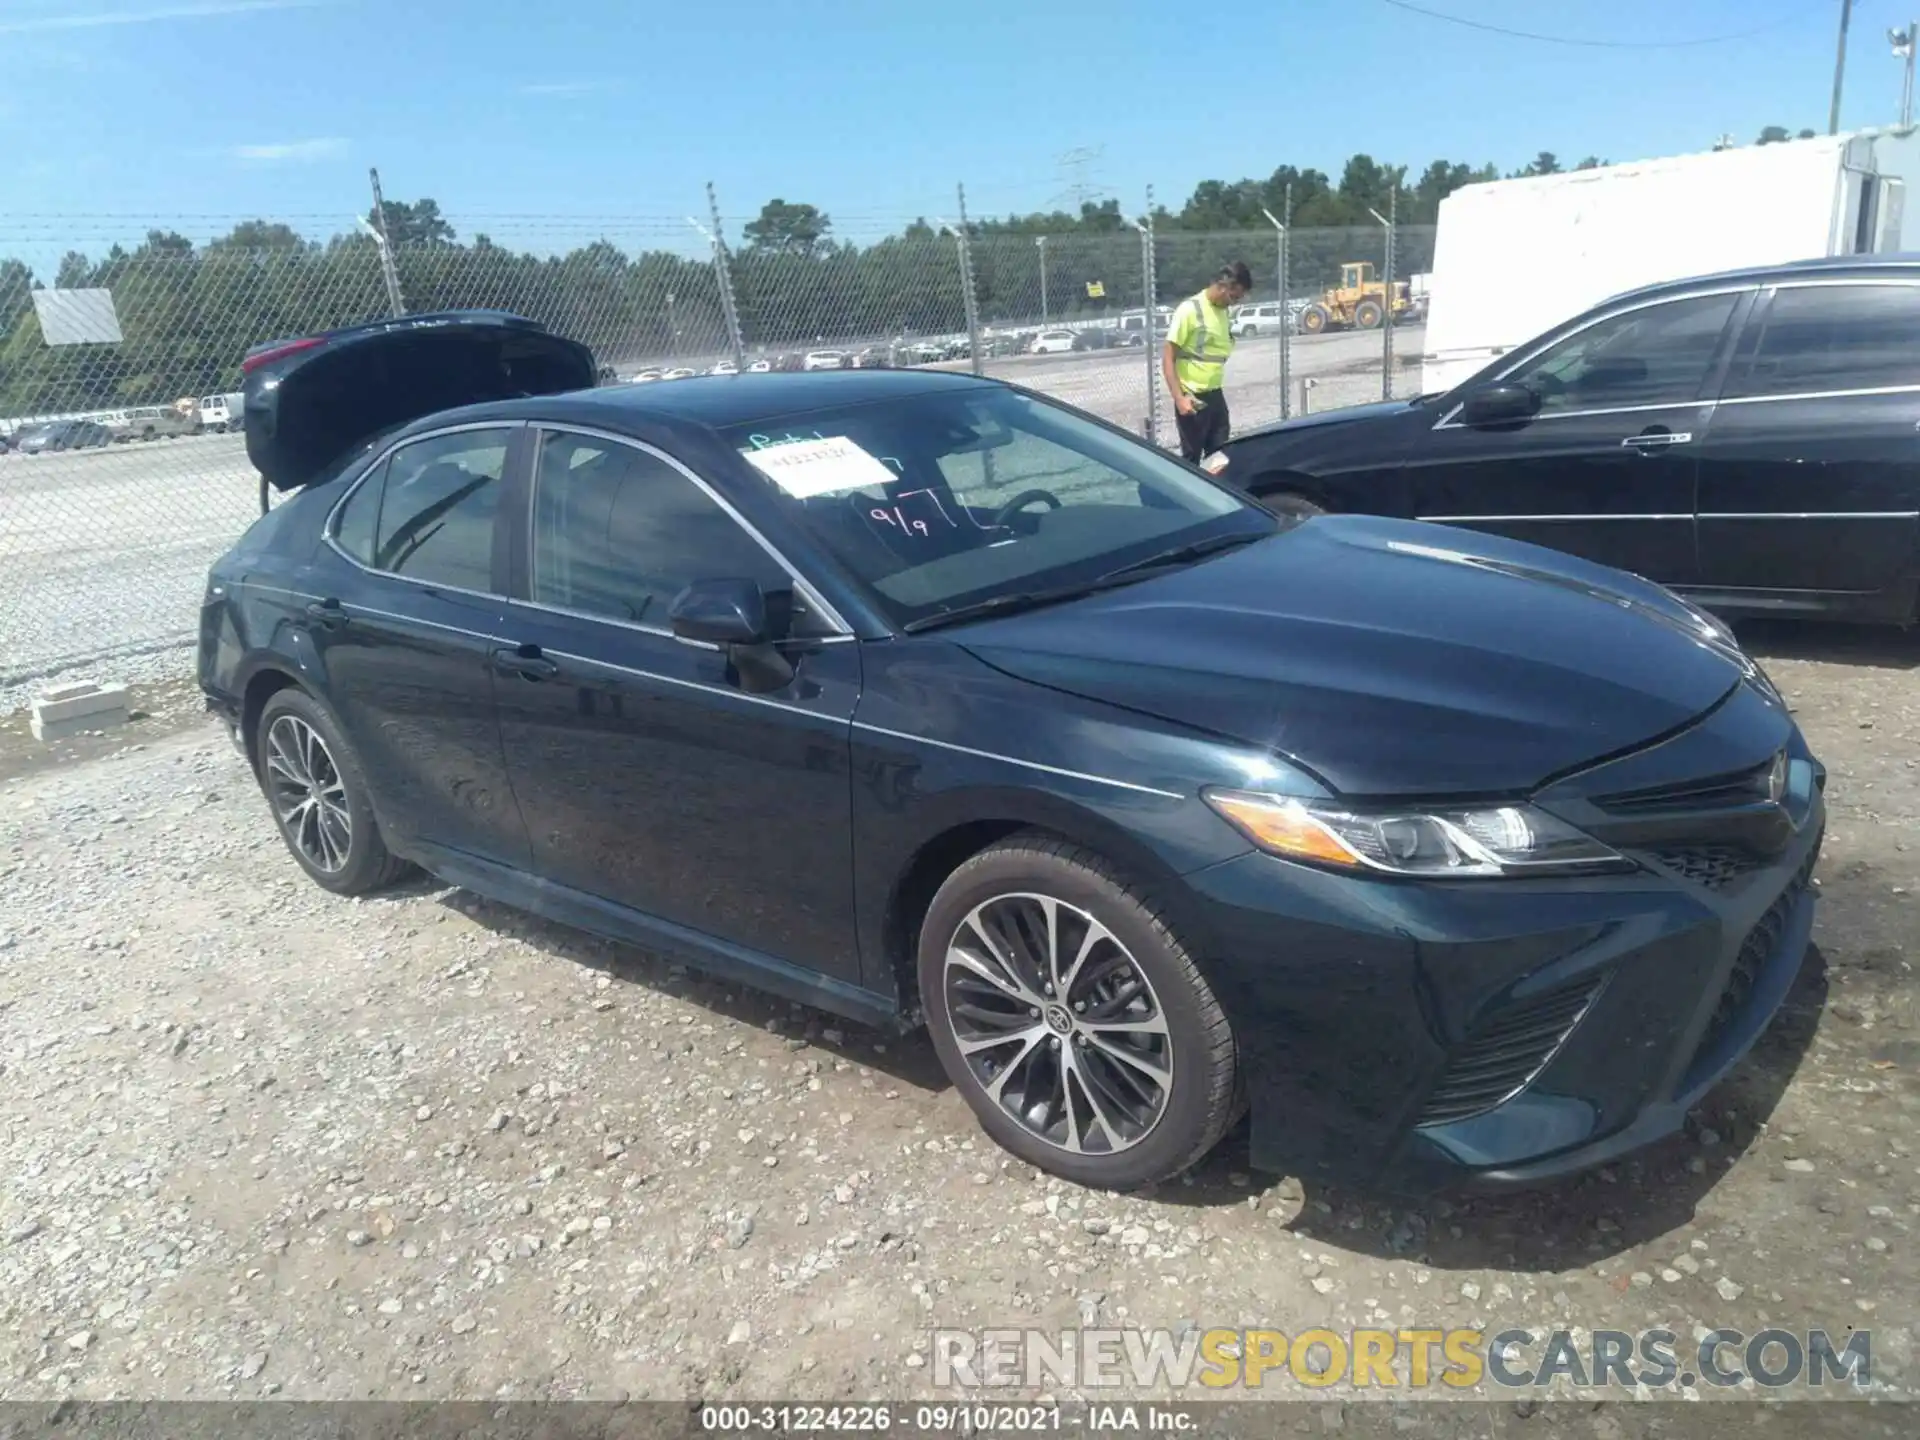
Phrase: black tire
pixel 1288 502
pixel 1201 1099
pixel 364 862
pixel 1315 319
pixel 1368 314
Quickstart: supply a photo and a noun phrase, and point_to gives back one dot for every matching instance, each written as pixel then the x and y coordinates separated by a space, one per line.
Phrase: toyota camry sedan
pixel 922 699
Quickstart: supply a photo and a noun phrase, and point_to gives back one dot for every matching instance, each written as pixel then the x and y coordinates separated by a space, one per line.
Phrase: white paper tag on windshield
pixel 805 468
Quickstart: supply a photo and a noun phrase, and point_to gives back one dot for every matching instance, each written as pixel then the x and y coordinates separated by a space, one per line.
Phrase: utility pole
pixel 1839 68
pixel 1040 241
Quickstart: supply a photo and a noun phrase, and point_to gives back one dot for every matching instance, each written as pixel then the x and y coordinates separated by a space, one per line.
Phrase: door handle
pixel 1657 440
pixel 526 661
pixel 327 614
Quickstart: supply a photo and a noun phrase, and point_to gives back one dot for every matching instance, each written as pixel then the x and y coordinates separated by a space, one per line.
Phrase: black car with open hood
pixel 311 401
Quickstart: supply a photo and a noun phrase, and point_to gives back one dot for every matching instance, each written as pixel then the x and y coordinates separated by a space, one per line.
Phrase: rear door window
pixel 1819 338
pixel 428 514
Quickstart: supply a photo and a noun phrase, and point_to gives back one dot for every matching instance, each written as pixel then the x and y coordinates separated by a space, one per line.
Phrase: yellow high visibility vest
pixel 1202 339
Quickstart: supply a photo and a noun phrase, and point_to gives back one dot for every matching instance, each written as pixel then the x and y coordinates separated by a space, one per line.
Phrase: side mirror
pixel 720 612
pixel 731 615
pixel 1500 405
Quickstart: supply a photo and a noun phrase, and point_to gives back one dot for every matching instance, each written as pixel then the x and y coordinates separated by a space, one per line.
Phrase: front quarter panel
pixel 1346 462
pixel 941 740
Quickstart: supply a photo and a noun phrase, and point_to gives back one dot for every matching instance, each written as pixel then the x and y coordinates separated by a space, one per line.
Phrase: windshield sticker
pixel 824 466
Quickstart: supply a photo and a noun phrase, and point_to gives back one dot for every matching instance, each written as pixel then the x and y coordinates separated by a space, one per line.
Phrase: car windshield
pixel 944 501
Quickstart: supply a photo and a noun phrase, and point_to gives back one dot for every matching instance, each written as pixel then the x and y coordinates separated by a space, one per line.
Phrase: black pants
pixel 1206 430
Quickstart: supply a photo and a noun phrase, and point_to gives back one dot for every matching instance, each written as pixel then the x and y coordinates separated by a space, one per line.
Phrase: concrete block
pixel 69 710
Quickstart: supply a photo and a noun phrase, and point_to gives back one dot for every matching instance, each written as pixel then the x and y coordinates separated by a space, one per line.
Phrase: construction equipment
pixel 1359 301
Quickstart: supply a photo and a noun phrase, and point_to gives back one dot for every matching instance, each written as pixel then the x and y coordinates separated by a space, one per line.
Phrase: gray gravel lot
pixel 104 553
pixel 259 1141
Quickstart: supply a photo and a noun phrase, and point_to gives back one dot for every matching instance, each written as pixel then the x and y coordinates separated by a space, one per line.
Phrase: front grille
pixel 1755 951
pixel 1714 866
pixel 1719 792
pixel 1505 1051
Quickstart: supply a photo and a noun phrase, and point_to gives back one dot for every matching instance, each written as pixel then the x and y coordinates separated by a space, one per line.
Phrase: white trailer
pixel 1514 258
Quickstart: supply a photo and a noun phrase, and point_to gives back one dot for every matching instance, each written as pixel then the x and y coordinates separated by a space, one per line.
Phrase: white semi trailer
pixel 1514 258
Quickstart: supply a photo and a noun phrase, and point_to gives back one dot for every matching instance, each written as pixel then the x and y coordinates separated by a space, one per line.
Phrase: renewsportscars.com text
pixel 1510 1358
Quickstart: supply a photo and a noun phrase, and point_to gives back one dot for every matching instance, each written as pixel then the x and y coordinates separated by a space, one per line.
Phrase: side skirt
pixel 719 958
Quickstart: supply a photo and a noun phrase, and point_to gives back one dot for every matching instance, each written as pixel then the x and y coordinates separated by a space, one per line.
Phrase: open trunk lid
pixel 311 401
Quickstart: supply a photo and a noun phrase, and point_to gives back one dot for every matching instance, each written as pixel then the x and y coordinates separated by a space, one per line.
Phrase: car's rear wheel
pixel 1071 1017
pixel 318 795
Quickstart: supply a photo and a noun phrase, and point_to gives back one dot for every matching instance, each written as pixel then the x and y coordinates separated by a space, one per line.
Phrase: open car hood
pixel 309 402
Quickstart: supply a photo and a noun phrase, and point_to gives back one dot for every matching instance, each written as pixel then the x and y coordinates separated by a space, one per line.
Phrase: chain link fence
pixel 124 474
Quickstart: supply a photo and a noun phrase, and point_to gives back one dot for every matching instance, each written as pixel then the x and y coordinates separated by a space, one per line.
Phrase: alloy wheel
pixel 308 796
pixel 1058 1023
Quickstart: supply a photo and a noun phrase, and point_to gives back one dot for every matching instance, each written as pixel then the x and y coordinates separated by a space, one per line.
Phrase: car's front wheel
pixel 1071 1017
pixel 318 793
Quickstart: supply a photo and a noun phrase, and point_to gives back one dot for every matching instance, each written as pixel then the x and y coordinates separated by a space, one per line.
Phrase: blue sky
pixel 596 108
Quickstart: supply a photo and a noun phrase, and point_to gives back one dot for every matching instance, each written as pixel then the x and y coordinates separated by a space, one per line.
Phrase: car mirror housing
pixel 731 615
pixel 720 612
pixel 1500 405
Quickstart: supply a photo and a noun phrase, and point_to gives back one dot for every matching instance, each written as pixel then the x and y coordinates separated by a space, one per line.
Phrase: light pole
pixel 1280 281
pixel 673 331
pixel 1040 242
pixel 1903 47
pixel 1386 296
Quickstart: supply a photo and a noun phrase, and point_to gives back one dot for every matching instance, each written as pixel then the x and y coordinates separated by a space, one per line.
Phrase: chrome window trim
pixel 843 631
pixel 378 461
pixel 1849 394
pixel 1012 760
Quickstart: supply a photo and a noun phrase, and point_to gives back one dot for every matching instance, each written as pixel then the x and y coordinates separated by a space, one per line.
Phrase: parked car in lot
pixel 54 435
pixel 825 360
pixel 155 422
pixel 1748 439
pixel 1052 342
pixel 221 413
pixel 1269 318
pixel 918 697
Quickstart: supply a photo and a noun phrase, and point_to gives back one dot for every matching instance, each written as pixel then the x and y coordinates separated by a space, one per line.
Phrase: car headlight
pixel 1479 843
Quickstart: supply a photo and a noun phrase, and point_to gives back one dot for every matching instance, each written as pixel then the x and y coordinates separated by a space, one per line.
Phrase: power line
pixel 1513 34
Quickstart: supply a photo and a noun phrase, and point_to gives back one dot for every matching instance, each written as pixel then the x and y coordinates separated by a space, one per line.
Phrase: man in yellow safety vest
pixel 1194 362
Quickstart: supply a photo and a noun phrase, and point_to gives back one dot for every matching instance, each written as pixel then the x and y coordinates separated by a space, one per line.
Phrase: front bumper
pixel 1416 1037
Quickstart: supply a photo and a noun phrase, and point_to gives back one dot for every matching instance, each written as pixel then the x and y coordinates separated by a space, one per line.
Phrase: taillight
pixel 278 352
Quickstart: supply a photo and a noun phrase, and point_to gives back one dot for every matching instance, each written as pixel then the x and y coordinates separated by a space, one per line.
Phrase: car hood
pixel 1386 656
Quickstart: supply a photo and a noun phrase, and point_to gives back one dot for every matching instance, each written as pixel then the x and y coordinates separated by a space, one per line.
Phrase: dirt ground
pixel 262 1142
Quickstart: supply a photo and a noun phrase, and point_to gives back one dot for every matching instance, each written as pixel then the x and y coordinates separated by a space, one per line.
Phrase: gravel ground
pixel 104 553
pixel 263 1142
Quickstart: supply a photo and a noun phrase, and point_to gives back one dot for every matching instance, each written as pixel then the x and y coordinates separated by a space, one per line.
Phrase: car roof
pixel 721 401
pixel 1903 266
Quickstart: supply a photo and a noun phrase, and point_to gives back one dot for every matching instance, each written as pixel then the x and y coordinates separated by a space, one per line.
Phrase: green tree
pixel 787 229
